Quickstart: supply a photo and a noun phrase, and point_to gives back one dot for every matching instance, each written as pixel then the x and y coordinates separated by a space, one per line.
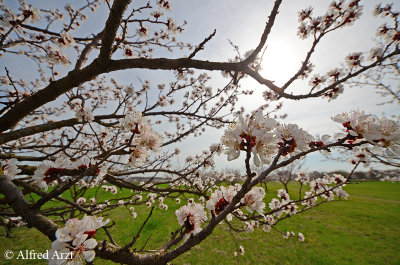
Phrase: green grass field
pixel 363 230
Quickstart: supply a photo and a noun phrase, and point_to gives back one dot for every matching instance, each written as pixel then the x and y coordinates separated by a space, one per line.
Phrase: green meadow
pixel 362 230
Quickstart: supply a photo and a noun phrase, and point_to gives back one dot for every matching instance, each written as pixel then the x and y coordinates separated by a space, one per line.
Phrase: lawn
pixel 363 230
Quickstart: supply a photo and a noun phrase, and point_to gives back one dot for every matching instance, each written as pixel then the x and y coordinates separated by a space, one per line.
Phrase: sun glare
pixel 281 60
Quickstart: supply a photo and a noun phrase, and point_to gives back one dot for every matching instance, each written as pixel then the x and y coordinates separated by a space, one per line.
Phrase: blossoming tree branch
pixel 117 131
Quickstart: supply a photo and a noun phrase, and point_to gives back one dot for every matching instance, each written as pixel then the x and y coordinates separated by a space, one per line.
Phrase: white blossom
pixel 9 168
pixel 220 198
pixel 191 216
pixel 254 200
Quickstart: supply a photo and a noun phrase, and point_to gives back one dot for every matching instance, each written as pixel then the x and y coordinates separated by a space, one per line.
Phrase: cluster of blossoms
pixel 143 138
pixel 354 60
pixel 151 198
pixel 269 221
pixel 55 56
pixel 299 236
pixel 303 178
pixel 333 76
pixel 250 226
pixel 49 171
pixel 10 19
pixel 215 177
pixel 97 208
pixel 143 31
pixel 253 134
pixel 264 136
pixel 360 155
pixel 343 13
pixel 111 189
pixel 13 27
pixel 14 221
pixel 388 33
pixel 148 33
pixel 205 159
pixel 326 187
pixel 307 70
pixel 202 180
pixel 89 183
pixel 76 237
pixel 82 113
pixel 330 78
pixel 9 168
pixel 340 13
pixel 191 216
pixel 284 205
pixel 65 40
pixel 137 197
pixel 101 206
pixel 161 204
pixel 222 197
pixel 133 213
pixel 197 180
pixel 380 132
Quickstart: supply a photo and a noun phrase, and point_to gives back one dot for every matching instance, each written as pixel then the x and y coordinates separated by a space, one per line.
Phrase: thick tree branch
pixel 110 30
pixel 22 207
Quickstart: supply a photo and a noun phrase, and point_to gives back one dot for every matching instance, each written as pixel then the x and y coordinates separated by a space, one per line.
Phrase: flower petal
pixel 90 243
pixel 58 245
pixel 89 255
pixel 79 239
pixel 256 160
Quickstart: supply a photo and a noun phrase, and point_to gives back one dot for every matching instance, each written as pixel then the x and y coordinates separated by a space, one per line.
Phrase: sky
pixel 243 22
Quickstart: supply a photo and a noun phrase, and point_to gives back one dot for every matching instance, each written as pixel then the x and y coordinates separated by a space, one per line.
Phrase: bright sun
pixel 281 61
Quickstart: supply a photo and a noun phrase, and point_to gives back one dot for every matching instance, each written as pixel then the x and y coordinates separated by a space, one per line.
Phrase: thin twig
pixel 201 45
pixel 130 244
